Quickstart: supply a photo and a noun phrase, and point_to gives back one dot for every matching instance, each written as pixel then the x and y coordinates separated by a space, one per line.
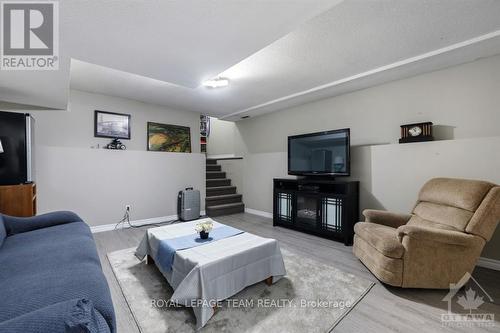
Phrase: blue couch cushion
pixel 3 233
pixel 16 225
pixel 52 265
pixel 73 316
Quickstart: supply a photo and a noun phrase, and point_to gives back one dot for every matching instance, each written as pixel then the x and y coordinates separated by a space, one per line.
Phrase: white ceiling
pixel 183 42
pixel 276 53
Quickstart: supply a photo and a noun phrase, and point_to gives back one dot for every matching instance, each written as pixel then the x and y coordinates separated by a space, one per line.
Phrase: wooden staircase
pixel 221 198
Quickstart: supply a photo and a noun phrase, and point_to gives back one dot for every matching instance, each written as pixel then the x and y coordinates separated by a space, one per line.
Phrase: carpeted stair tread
pixel 214 167
pixel 220 190
pixel 225 209
pixel 237 204
pixel 218 182
pixel 215 174
pixel 221 187
pixel 224 196
pixel 221 197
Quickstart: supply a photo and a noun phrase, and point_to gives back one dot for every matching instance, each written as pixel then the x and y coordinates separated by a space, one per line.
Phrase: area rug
pixel 312 297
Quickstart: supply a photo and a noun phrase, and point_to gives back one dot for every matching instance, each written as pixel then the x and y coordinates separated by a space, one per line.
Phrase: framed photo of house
pixel 169 138
pixel 111 125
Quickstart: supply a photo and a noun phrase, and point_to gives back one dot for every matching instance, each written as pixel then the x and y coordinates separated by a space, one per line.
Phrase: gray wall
pixel 98 183
pixel 462 102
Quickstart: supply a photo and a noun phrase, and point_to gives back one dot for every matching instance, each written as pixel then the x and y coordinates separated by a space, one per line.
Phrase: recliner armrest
pixel 17 225
pixel 383 217
pixel 436 235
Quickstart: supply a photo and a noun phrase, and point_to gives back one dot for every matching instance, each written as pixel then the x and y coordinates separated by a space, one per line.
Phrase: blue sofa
pixel 51 278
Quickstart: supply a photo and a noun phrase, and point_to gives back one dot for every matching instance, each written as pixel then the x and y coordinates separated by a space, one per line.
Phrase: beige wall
pixel 462 101
pixel 98 183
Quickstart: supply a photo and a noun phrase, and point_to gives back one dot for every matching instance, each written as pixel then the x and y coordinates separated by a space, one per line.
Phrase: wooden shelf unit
pixel 18 200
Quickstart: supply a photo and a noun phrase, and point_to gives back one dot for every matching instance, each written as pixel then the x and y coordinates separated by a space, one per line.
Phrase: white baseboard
pixel 259 213
pixel 101 228
pixel 138 223
pixel 489 263
pixel 482 262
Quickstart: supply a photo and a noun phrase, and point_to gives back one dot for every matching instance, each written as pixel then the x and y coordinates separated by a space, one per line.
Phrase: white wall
pixel 75 126
pixel 220 140
pixel 98 183
pixel 390 175
pixel 462 102
pixel 398 171
pixel 233 170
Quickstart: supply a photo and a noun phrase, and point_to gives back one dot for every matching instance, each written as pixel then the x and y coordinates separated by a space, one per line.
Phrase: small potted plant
pixel 204 229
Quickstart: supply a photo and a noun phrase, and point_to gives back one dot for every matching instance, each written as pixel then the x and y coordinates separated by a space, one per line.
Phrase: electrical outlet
pixel 127 208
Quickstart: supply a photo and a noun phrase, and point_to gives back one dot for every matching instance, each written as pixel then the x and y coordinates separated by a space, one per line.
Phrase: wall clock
pixel 417 132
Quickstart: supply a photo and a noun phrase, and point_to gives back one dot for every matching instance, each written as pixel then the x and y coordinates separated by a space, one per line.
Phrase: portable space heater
pixel 188 204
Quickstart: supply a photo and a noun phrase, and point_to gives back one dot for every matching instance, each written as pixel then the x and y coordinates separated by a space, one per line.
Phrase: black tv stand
pixel 319 206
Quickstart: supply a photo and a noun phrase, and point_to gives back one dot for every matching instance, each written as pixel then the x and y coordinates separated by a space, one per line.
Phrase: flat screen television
pixel 322 154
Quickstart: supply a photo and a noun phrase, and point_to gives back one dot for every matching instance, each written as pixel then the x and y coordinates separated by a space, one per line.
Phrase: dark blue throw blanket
pixel 168 247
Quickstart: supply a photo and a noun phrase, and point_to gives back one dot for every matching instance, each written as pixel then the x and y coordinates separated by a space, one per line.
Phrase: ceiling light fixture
pixel 216 83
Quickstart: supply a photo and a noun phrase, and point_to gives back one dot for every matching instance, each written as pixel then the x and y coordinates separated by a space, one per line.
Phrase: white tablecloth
pixel 214 271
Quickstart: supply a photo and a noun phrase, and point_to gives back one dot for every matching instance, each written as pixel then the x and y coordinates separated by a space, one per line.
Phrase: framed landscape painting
pixel 111 125
pixel 170 138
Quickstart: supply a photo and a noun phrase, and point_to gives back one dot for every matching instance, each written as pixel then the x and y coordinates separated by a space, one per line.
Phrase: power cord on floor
pixel 125 221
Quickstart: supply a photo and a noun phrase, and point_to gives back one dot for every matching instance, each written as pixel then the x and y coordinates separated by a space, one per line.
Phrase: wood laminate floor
pixel 383 309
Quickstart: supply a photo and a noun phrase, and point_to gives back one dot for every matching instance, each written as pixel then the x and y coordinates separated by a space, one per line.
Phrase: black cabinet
pixel 326 208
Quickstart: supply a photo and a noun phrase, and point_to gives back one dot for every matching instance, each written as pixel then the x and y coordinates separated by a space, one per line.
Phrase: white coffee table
pixel 215 271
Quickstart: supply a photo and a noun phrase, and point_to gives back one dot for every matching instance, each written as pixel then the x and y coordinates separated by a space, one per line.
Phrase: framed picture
pixel 111 125
pixel 170 138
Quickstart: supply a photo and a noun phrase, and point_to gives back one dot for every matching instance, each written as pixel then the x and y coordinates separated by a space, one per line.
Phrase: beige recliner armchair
pixel 438 243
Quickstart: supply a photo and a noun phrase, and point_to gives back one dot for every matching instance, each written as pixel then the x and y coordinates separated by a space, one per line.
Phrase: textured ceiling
pixel 183 42
pixel 291 53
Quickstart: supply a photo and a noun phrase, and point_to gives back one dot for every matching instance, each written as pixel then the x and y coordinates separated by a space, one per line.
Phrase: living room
pixel 292 166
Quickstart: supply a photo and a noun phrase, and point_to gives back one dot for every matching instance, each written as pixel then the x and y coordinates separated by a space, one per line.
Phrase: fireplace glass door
pixel 307 210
